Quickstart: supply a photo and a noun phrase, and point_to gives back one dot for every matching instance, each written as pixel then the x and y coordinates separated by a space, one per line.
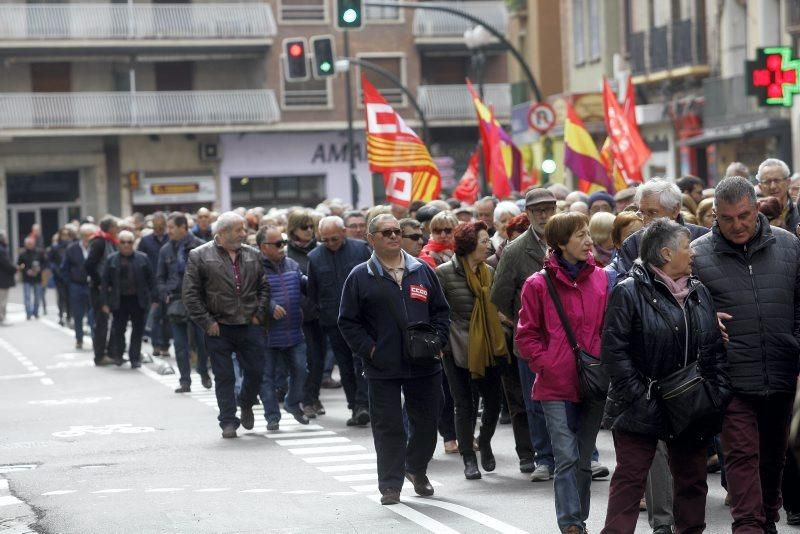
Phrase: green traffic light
pixel 349 16
pixel 325 67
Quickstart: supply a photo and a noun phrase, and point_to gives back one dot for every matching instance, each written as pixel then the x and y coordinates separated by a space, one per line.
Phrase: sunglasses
pixel 413 237
pixel 306 227
pixel 278 244
pixel 334 239
pixel 447 231
pixel 389 232
pixel 126 242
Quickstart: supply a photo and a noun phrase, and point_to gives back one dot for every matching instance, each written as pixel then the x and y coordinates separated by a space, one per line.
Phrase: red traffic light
pixel 296 50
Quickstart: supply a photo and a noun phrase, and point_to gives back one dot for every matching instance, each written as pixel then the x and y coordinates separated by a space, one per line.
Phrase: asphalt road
pixel 107 450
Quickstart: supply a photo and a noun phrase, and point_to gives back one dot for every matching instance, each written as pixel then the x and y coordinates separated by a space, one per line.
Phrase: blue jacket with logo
pixel 365 321
pixel 286 287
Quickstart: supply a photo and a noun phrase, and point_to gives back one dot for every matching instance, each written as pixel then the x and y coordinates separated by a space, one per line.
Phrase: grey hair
pixel 378 219
pixel 773 162
pixel 737 168
pixel 331 219
pixel 126 233
pixel 87 228
pixel 506 207
pixel 669 195
pixel 226 221
pixel 733 189
pixel 662 233
pixel 410 223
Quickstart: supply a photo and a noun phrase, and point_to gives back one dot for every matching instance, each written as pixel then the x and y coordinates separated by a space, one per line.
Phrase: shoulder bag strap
pixel 400 323
pixel 560 309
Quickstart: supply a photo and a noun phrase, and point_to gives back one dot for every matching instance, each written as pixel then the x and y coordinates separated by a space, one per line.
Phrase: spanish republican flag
pixel 581 156
pixel 394 150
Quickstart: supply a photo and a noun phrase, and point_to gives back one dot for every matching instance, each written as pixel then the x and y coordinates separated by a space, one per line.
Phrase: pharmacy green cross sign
pixel 774 77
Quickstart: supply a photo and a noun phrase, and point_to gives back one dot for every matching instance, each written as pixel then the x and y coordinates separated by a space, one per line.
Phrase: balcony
pixel 436 28
pixel 672 51
pixel 100 26
pixel 48 114
pixel 452 104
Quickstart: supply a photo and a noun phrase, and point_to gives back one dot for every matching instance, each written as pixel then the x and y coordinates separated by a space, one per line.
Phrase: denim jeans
pixel 79 304
pixel 540 437
pixel 32 294
pixel 573 431
pixel 160 326
pixel 180 335
pixel 294 359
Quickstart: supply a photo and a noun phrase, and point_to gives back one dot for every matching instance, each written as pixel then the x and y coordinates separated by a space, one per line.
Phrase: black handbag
pixel 176 312
pixel 421 344
pixel 592 378
pixel 687 398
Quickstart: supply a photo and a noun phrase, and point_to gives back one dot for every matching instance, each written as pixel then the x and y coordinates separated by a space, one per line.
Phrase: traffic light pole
pixel 351 144
pixel 475 20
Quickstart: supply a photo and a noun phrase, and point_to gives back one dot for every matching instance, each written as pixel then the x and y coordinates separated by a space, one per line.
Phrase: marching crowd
pixel 668 314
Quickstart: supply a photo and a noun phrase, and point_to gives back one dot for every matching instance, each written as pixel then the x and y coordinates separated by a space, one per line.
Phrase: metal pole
pixel 351 145
pixel 475 20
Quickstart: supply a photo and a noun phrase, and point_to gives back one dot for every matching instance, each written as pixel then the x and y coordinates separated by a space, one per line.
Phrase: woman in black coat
pixel 661 321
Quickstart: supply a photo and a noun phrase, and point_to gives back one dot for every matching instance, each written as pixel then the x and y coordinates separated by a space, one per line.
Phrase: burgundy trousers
pixel 755 434
pixel 687 462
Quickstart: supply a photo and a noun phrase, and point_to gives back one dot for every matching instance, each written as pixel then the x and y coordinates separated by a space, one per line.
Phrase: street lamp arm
pixel 475 20
pixel 396 81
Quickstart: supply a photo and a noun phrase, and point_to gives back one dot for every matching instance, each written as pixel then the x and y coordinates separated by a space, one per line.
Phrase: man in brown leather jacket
pixel 226 293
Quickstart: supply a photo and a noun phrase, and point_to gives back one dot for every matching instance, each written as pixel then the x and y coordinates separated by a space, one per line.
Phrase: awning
pixel 761 127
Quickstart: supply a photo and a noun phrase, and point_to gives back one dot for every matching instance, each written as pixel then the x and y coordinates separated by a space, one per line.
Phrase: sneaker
pixel 542 473
pixel 299 416
pixel 451 447
pixel 273 425
pixel 599 471
pixel 206 381
pixel 319 408
pixel 330 383
pixel 229 431
pixel 362 416
pixel 309 411
pixel 184 389
pixel 390 496
pixel 247 418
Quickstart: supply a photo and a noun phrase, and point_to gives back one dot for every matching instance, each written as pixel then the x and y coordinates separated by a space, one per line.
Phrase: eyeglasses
pixel 334 239
pixel 357 226
pixel 543 211
pixel 306 227
pixel 278 244
pixel 126 242
pixel 447 231
pixel 773 182
pixel 413 237
pixel 389 232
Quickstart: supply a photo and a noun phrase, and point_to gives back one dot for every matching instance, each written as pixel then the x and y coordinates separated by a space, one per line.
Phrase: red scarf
pixel 106 236
pixel 435 247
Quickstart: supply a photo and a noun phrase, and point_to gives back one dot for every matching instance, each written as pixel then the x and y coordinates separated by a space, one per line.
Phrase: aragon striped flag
pixel 395 151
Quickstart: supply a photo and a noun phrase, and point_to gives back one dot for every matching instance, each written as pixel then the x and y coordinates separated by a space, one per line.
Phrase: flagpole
pixel 351 145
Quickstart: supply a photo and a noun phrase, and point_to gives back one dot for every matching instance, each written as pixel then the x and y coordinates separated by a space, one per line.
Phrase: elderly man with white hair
pixel 226 293
pixel 503 212
pixel 74 271
pixel 774 176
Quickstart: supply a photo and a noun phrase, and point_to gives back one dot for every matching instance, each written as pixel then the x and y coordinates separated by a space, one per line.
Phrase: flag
pixel 629 107
pixel 581 156
pixel 630 151
pixel 394 150
pixel 502 159
pixel 612 169
pixel 468 188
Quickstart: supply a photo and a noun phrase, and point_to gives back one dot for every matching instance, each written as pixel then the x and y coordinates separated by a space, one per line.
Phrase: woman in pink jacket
pixel 573 423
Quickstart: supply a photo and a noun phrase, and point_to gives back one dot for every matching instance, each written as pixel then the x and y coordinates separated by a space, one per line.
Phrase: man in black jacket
pixel 774 176
pixel 31 263
pixel 328 268
pixel 74 272
pixel 753 273
pixel 126 290
pixel 151 245
pixel 7 272
pixel 101 246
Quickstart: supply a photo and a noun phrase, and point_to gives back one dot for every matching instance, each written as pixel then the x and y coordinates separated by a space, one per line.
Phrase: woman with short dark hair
pixel 573 422
pixel 477 341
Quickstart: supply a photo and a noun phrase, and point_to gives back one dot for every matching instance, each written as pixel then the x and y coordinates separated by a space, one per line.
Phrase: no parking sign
pixel 541 117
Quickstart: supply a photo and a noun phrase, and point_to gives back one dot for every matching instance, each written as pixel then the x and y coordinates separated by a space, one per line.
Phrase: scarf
pixel 602 256
pixel 572 269
pixel 436 253
pixel 487 340
pixel 106 236
pixel 679 288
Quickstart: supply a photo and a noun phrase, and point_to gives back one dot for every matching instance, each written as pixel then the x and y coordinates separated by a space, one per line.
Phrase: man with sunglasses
pixel 328 268
pixel 126 291
pixel 392 277
pixel 413 240
pixel 285 329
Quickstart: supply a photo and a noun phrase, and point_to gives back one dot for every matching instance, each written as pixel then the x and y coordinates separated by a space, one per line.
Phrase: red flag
pixel 627 142
pixel 468 188
pixel 630 112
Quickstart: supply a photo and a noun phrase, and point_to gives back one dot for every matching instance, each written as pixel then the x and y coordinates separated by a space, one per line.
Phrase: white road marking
pixel 258 490
pixel 360 477
pixel 69 365
pixel 211 490
pixel 342 493
pixel 469 513
pixel 112 490
pixel 300 492
pixel 7 500
pixel 417 517
pixel 23 375
pixel 47 381
pixel 163 490
pixel 366 488
pixel 300 434
pixel 62 402
pixel 13 469
pixel 310 441
pixel 58 492
pixel 326 450
pixel 35 372
pixel 346 468
pixel 342 458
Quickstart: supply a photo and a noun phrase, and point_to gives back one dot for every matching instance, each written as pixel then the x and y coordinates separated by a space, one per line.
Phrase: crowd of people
pixel 667 313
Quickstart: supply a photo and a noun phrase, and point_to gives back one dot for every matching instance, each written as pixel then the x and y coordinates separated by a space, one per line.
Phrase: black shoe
pixel 79 345
pixel 273 425
pixel 527 466
pixel 663 529
pixel 309 411
pixel 361 416
pixel 471 471
pixel 770 528
pixel 422 486
pixel 793 518
pixel 247 418
pixel 390 496
pixel 184 389
pixel 319 408
pixel 118 361
pixel 105 360
pixel 505 418
pixel 487 458
pixel 206 381
pixel 136 365
pixel 330 383
pixel 352 421
pixel 229 431
pixel 299 416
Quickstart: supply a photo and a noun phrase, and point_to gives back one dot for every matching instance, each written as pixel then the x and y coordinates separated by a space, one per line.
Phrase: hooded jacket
pixel 540 336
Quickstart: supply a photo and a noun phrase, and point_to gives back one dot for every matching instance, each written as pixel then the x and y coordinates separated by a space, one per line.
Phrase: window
pixel 303 11
pixel 594 30
pixel 277 191
pixel 577 32
pixel 310 93
pixel 383 13
pixel 389 89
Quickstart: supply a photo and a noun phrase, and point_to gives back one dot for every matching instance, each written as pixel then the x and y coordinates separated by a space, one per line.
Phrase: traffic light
pixel 548 162
pixel 294 51
pixel 349 13
pixel 324 57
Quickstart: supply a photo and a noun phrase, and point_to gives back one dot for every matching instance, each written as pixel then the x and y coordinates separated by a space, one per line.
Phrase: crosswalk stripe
pixel 346 468
pixel 310 441
pixel 326 450
pixel 301 434
pixel 357 478
pixel 342 458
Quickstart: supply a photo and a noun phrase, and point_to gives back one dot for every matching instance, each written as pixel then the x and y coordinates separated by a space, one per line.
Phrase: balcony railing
pixel 679 44
pixel 21 22
pixel 53 111
pixel 429 23
pixel 454 102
